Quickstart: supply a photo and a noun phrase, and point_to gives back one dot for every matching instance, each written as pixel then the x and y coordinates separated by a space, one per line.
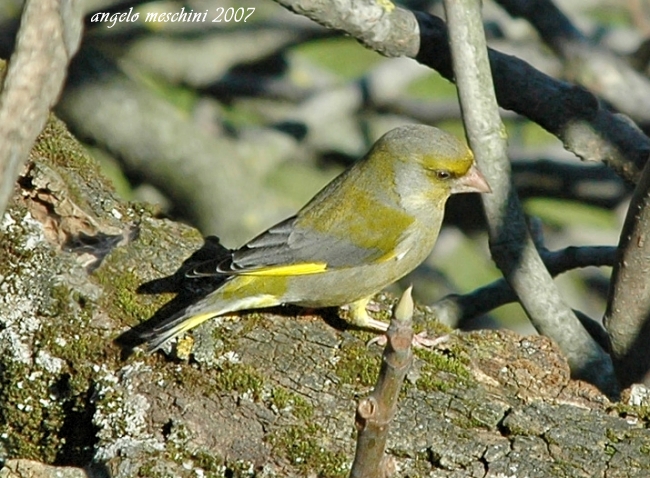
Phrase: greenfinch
pixel 367 228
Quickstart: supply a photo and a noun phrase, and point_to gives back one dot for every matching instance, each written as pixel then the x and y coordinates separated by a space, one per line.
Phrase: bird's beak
pixel 472 182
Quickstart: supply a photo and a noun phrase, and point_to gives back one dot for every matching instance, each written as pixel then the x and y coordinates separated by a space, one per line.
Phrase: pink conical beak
pixel 472 182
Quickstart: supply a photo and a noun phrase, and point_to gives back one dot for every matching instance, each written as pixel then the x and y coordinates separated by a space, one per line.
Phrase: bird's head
pixel 429 163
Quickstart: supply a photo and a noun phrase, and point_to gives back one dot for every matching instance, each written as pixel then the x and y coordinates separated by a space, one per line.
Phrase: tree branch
pixel 48 37
pixel 592 66
pixel 627 318
pixel 455 308
pixel 511 245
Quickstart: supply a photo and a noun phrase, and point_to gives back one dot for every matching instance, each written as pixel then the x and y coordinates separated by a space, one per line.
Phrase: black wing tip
pixel 150 334
pixel 132 340
pixel 128 342
pixel 211 268
pixel 212 260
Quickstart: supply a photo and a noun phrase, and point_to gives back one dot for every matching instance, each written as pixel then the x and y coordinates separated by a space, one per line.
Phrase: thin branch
pixel 627 318
pixel 511 245
pixel 597 186
pixel 454 308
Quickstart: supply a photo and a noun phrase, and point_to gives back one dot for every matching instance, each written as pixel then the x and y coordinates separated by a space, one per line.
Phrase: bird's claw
pixel 420 340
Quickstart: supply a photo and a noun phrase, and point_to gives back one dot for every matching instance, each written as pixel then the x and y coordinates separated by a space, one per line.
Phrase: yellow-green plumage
pixel 367 228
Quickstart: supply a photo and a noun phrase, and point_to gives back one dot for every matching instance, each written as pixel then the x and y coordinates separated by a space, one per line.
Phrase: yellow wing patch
pixel 290 270
pixel 387 257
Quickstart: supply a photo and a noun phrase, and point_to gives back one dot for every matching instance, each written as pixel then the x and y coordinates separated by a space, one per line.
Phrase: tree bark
pixel 265 392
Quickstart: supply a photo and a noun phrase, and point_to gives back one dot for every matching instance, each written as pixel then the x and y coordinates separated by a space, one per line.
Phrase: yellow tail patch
pixel 189 323
pixel 166 332
pixel 291 270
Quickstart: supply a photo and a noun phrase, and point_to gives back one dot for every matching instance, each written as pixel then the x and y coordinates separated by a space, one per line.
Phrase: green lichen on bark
pixel 54 329
pixel 357 365
pixel 442 370
pixel 33 392
pixel 304 447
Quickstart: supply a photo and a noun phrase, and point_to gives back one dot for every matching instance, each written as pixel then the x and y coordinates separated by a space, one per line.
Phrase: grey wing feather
pixel 286 244
pixel 270 248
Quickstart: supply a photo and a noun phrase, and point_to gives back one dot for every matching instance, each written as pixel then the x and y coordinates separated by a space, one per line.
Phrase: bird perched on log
pixel 369 227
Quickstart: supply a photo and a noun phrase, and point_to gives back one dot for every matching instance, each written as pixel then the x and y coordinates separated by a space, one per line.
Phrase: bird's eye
pixel 440 174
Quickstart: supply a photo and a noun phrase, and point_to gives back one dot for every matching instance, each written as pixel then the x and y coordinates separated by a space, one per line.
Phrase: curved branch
pixel 454 308
pixel 567 111
pixel 48 37
pixel 627 318
pixel 593 66
pixel 511 244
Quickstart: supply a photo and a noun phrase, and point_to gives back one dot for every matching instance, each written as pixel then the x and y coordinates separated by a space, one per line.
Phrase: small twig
pixel 375 412
pixel 598 186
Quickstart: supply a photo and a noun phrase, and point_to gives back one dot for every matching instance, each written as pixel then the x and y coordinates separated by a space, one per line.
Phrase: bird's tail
pixel 164 327
pixel 172 327
pixel 173 319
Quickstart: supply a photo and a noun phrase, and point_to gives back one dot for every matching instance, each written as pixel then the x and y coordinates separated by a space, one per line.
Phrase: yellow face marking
pixel 290 270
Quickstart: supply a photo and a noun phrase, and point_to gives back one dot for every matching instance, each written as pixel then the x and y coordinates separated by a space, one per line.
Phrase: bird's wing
pixel 290 248
pixel 344 225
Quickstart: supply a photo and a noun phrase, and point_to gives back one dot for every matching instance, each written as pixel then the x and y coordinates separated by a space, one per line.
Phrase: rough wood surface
pixel 263 394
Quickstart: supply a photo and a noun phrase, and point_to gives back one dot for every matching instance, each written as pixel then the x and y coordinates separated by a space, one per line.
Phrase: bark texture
pixel 263 394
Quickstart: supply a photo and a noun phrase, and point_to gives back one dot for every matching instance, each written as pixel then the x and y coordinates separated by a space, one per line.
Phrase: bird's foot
pixel 420 340
pixel 357 315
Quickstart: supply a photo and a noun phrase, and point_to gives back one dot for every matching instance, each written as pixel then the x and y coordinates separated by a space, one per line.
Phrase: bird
pixel 370 226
